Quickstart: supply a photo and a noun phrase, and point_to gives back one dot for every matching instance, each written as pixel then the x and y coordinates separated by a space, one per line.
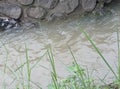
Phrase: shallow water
pixel 102 30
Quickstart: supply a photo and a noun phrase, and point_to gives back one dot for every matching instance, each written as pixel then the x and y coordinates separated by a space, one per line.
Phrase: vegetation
pixel 79 78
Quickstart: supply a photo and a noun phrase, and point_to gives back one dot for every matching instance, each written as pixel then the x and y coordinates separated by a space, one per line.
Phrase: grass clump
pixel 80 79
pixel 55 84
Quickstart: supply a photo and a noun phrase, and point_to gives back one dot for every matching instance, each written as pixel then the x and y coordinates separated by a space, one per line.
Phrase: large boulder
pixel 88 5
pixel 11 10
pixel 36 12
pixel 64 7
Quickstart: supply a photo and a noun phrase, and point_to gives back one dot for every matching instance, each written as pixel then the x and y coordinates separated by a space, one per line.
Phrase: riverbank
pixel 49 9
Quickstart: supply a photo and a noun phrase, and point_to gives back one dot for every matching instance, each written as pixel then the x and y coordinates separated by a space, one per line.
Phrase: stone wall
pixel 47 9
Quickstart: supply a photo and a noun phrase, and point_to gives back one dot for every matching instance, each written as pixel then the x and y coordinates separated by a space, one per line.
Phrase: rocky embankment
pixel 47 9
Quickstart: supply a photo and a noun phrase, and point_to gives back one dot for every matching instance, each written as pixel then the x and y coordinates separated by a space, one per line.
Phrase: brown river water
pixel 102 30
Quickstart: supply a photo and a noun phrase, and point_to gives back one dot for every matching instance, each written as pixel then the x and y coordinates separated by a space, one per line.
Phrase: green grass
pixel 116 75
pixel 54 76
pixel 100 54
pixel 28 68
pixel 118 56
pixel 79 79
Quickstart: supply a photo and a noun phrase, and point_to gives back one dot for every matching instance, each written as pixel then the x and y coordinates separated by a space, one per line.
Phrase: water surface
pixel 102 30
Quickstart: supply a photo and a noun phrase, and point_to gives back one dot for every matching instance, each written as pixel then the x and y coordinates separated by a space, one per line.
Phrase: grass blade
pixel 28 67
pixel 118 45
pixel 98 51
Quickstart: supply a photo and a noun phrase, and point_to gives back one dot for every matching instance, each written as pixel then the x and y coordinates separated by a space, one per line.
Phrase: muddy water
pixel 102 29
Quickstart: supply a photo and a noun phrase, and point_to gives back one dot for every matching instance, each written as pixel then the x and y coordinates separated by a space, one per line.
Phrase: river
pixel 101 29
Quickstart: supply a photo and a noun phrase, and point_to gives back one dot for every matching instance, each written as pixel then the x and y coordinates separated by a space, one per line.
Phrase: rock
pixel 11 10
pixel 8 23
pixel 67 6
pixel 63 8
pixel 25 2
pixel 49 9
pixel 48 4
pixel 55 16
pixel 99 8
pixel 36 12
pixel 88 5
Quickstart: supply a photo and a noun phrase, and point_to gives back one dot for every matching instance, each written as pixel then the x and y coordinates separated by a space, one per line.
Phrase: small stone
pixel 36 12
pixel 25 2
pixel 11 10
